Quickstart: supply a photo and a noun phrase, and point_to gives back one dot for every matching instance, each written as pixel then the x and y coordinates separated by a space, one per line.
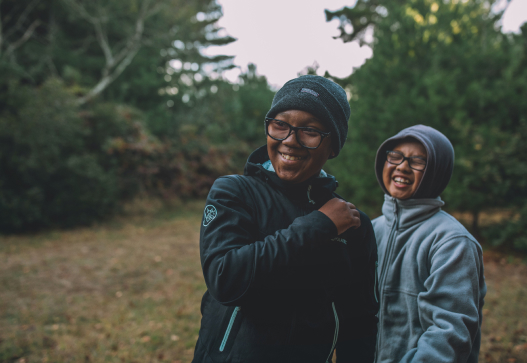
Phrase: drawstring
pixel 308 195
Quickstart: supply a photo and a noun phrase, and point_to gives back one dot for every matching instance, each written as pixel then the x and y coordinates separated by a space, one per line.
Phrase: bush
pixel 509 234
pixel 64 166
pixel 48 176
pixel 185 168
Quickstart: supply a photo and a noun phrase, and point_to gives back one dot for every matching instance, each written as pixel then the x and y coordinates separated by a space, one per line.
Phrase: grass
pixel 504 330
pixel 125 292
pixel 130 291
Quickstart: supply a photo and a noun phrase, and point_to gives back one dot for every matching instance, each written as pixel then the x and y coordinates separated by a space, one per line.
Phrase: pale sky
pixel 284 36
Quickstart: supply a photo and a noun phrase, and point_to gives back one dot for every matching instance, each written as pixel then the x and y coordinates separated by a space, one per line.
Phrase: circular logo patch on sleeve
pixel 209 214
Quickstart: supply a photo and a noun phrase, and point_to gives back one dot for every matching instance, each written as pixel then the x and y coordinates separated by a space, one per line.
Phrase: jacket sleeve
pixel 232 257
pixel 450 308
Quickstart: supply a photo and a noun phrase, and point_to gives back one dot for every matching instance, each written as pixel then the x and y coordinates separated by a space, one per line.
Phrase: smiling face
pixel 400 180
pixel 292 162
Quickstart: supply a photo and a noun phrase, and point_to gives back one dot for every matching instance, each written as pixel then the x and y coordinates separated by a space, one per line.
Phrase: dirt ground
pixel 130 291
pixel 504 330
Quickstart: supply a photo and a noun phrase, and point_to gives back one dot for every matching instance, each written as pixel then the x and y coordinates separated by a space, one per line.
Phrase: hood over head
pixel 440 159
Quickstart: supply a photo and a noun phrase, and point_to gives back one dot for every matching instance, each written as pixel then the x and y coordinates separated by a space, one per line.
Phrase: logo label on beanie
pixel 310 91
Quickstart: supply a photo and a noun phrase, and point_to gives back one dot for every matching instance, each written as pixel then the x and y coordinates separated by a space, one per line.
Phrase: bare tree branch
pixel 103 42
pixel 17 26
pixel 24 38
pixel 105 81
pixel 102 39
pixel 136 37
pixel 115 65
pixel 80 10
pixel 22 18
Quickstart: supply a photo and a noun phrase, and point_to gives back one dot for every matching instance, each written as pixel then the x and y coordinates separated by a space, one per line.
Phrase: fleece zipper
pixel 387 258
pixel 376 278
pixel 229 328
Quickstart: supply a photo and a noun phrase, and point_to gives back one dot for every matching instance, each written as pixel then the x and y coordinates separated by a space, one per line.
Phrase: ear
pixel 332 154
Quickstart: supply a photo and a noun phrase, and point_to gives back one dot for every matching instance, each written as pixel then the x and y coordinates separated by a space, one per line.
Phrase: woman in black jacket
pixel 290 267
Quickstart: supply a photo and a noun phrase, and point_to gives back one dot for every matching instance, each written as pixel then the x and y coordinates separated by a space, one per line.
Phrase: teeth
pixel 401 180
pixel 289 157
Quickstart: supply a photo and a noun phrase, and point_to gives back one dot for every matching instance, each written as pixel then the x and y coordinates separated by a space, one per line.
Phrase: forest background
pixel 106 103
pixel 102 102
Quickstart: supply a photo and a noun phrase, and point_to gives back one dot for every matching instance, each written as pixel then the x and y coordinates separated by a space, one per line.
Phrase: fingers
pixel 354 216
pixel 355 223
pixel 344 214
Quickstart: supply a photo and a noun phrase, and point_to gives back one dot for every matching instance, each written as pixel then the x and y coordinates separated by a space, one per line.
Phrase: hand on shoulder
pixel 343 214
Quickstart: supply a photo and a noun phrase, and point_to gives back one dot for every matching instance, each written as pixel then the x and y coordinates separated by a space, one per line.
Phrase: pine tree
pixel 445 64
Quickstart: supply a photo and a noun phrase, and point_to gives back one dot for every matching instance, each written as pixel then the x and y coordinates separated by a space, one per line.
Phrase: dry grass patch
pixel 124 293
pixel 130 291
pixel 504 330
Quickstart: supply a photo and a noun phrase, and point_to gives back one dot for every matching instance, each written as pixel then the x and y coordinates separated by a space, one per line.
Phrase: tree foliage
pixel 445 64
pixel 81 85
pixel 49 177
pixel 91 43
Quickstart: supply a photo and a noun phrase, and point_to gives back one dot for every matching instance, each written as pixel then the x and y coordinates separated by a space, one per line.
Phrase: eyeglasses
pixel 307 137
pixel 397 158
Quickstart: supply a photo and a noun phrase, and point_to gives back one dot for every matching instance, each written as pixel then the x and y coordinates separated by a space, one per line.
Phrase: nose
pixel 404 166
pixel 291 140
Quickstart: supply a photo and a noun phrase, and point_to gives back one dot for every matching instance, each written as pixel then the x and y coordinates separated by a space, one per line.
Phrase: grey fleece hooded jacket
pixel 430 268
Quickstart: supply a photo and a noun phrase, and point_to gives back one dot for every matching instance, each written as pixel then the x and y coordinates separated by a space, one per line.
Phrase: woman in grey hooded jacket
pixel 430 268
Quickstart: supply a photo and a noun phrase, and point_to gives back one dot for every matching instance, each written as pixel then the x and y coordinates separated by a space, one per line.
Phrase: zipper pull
pixel 308 195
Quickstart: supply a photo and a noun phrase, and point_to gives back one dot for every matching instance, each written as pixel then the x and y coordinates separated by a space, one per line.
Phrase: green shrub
pixel 48 176
pixel 509 234
pixel 185 168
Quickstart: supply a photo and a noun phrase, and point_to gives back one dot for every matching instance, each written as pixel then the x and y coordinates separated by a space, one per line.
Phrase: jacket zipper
pixel 335 337
pixel 389 247
pixel 382 278
pixel 376 278
pixel 229 328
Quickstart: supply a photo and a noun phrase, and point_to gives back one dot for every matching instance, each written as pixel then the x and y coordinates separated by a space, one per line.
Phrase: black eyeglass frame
pixel 410 158
pixel 295 129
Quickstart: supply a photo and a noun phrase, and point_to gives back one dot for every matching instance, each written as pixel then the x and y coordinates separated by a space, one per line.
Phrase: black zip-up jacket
pixel 282 286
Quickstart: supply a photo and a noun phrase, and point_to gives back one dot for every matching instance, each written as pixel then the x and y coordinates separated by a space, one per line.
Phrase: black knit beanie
pixel 320 97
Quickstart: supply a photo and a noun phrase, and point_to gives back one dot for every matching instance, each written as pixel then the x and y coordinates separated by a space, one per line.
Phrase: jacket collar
pixel 322 187
pixel 410 211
